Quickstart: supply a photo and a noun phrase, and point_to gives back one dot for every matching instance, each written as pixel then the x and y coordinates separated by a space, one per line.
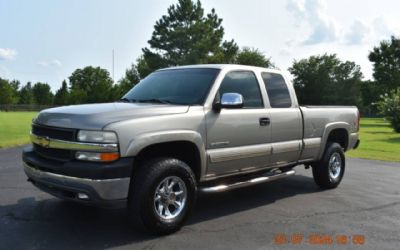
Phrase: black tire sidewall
pixel 146 184
pixel 321 169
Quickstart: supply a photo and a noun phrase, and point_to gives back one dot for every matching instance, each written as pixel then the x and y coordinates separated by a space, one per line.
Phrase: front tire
pixel 161 196
pixel 329 171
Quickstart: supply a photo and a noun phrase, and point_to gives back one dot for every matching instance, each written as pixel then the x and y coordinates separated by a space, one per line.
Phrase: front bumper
pixel 74 180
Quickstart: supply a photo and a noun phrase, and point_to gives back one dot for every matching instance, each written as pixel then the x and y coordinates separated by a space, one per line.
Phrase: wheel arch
pixel 335 132
pixel 184 145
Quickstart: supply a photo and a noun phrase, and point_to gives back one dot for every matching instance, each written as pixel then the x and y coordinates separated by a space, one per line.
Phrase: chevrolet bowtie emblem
pixel 43 141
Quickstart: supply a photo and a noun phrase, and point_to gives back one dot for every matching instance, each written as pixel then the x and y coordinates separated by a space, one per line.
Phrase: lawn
pixel 15 127
pixel 378 141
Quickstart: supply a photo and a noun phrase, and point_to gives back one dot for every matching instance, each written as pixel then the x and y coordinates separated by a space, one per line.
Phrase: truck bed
pixel 319 121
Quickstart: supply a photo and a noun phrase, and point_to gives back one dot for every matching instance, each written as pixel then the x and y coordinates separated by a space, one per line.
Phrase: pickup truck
pixel 184 130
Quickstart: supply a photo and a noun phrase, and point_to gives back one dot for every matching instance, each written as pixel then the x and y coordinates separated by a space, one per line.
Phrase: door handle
pixel 264 121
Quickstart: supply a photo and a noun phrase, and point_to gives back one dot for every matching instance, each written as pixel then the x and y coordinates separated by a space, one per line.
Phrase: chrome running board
pixel 240 184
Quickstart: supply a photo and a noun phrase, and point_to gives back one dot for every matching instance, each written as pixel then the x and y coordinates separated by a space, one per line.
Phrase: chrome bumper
pixel 353 141
pixel 107 189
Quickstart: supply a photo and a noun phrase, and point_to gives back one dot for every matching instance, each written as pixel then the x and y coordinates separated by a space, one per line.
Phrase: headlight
pixel 97 136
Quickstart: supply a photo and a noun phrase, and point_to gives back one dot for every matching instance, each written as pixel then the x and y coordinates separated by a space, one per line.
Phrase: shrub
pixel 389 106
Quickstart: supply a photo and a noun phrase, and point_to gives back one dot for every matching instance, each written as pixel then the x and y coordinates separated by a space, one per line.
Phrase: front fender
pixel 147 139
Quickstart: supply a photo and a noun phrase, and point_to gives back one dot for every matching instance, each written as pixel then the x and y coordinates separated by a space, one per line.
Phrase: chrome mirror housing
pixel 230 101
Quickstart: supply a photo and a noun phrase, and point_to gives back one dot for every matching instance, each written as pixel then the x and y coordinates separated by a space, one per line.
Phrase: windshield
pixel 175 86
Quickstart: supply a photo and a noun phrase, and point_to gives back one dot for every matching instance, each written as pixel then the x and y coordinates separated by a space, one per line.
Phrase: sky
pixel 46 40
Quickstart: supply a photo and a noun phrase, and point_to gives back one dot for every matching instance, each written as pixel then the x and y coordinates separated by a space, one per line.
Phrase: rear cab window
pixel 277 90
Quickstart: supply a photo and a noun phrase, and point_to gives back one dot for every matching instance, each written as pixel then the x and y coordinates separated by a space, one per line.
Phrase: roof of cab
pixel 222 66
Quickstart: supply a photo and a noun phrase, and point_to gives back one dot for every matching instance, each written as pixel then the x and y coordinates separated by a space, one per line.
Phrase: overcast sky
pixel 47 40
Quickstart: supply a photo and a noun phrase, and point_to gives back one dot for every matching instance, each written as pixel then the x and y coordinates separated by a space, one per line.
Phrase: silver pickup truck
pixel 184 130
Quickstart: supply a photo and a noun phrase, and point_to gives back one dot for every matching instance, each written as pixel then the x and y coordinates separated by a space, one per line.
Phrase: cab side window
pixel 244 83
pixel 277 90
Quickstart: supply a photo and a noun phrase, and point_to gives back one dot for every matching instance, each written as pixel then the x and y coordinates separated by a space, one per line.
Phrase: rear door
pixel 286 123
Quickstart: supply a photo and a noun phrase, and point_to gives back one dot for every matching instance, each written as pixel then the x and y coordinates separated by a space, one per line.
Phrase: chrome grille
pixel 55 133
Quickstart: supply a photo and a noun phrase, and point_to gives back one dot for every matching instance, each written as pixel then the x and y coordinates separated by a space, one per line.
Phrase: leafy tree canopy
pixel 26 94
pixel 389 106
pixel 325 80
pixel 254 57
pixel 6 92
pixel 130 79
pixel 62 95
pixel 370 96
pixel 187 36
pixel 15 89
pixel 386 63
pixel 42 94
pixel 91 85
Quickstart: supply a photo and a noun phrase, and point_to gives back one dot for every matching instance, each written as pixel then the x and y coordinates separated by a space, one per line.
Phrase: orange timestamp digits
pixel 319 239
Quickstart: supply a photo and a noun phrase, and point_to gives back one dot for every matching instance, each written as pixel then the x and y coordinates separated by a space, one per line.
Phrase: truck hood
pixel 96 116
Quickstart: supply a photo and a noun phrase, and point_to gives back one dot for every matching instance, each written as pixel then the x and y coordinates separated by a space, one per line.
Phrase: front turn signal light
pixel 109 156
pixel 98 157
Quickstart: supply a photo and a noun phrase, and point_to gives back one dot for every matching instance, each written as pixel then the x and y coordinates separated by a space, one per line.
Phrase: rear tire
pixel 161 195
pixel 329 171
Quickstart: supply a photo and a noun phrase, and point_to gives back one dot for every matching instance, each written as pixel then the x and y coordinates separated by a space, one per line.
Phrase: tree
pixel 77 96
pixel 26 94
pixel 386 64
pixel 187 36
pixel 15 87
pixel 143 67
pixel 253 57
pixel 62 95
pixel 325 80
pixel 370 96
pixel 42 94
pixel 91 85
pixel 130 79
pixel 6 92
pixel 389 106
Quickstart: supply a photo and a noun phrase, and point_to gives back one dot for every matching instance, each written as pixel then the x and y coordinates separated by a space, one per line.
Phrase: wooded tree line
pixel 186 35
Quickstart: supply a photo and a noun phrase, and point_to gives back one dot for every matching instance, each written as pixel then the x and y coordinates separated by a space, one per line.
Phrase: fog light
pixel 83 196
pixel 92 156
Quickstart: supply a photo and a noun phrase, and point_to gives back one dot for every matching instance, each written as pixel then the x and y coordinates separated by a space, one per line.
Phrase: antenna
pixel 113 65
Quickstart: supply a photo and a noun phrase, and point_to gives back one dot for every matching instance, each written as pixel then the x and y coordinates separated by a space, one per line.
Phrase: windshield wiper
pixel 154 100
pixel 124 100
pixel 127 100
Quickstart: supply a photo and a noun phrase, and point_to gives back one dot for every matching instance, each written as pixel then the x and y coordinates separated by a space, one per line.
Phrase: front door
pixel 238 139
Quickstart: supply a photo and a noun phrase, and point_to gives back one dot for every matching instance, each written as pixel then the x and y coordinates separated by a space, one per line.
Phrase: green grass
pixel 378 141
pixel 15 127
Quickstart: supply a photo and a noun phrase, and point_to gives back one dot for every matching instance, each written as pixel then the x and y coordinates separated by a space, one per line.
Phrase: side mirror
pixel 229 101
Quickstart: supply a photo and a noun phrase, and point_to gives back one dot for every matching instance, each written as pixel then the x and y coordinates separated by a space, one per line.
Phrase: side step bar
pixel 254 181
